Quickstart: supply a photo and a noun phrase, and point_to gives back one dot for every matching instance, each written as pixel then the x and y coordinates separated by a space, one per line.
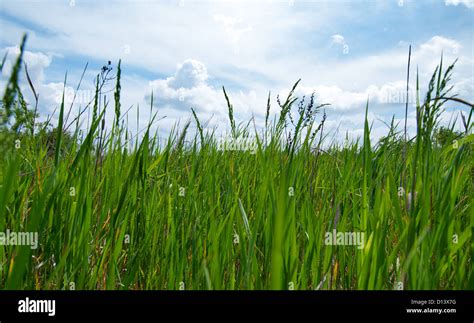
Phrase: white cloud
pixel 175 95
pixel 185 88
pixel 189 74
pixel 438 44
pixel 49 93
pixel 464 88
pixel 467 3
pixel 35 61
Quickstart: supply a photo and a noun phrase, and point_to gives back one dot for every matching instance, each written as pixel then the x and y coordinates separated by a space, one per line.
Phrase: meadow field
pixel 272 208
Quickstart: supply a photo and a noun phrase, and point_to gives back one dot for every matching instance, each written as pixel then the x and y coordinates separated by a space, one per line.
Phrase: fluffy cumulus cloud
pixel 186 88
pixel 467 3
pixel 49 93
pixel 436 45
pixel 35 61
pixel 189 74
pixel 189 88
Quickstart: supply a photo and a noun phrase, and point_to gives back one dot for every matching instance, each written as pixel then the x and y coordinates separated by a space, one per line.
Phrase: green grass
pixel 152 215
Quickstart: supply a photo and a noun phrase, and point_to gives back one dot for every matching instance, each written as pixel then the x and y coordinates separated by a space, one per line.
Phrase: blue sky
pixel 185 51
